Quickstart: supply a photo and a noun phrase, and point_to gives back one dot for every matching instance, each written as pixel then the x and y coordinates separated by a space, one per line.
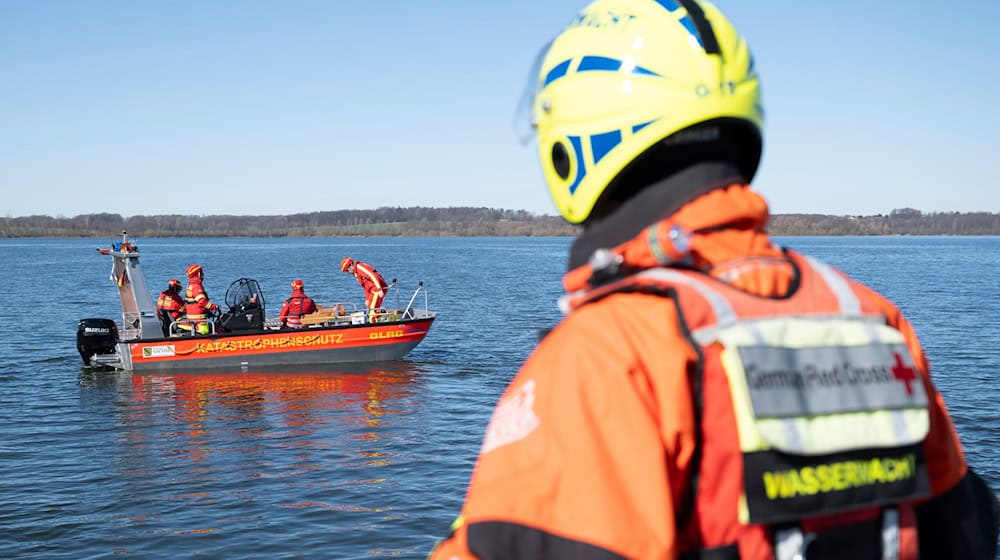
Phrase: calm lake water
pixel 363 461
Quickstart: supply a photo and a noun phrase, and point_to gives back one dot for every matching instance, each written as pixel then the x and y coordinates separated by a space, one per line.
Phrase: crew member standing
pixel 297 305
pixel 371 281
pixel 709 394
pixel 198 305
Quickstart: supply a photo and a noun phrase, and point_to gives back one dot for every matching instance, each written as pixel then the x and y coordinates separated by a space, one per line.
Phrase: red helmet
pixel 174 284
pixel 345 264
pixel 193 270
pixel 297 284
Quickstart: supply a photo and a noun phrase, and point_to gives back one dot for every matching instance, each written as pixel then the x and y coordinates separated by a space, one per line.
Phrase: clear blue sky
pixel 252 107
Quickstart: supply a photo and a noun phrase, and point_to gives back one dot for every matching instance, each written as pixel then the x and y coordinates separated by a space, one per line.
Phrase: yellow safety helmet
pixel 624 76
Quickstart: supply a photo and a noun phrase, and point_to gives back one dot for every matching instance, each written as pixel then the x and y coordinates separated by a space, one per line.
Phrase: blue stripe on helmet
pixel 669 5
pixel 640 126
pixel 590 63
pixel 601 144
pixel 603 63
pixel 672 6
pixel 558 72
pixel 581 167
pixel 593 64
pixel 688 24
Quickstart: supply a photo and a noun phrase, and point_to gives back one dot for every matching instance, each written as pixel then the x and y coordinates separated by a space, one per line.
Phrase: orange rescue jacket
pixel 369 278
pixel 618 437
pixel 171 303
pixel 197 302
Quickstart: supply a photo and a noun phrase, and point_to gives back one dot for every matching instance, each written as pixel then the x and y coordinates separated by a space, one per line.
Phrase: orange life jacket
pixel 295 307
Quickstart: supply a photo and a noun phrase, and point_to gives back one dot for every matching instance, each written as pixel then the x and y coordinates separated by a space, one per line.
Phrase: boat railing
pixel 344 313
pixel 409 312
pixel 184 327
pixel 330 314
pixel 129 328
pixel 326 315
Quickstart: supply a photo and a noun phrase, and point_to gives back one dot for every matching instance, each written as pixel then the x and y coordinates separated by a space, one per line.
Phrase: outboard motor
pixel 95 336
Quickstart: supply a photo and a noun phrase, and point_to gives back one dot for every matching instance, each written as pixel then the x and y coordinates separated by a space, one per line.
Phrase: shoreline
pixel 461 222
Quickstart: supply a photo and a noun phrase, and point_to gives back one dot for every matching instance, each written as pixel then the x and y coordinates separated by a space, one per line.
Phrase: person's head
pixel 297 285
pixel 633 91
pixel 195 271
pixel 174 285
pixel 347 265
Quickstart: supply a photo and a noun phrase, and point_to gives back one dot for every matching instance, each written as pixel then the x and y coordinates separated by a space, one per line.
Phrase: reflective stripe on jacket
pixel 197 302
pixel 171 303
pixel 369 278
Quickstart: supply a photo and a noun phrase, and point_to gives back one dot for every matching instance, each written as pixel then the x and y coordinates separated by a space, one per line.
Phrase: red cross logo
pixel 904 373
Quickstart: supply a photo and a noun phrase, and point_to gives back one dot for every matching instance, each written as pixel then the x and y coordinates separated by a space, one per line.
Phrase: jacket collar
pixel 716 231
pixel 656 202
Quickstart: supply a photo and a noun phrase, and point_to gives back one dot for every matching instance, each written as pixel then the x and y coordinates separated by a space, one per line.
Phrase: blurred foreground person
pixel 709 394
pixel 297 305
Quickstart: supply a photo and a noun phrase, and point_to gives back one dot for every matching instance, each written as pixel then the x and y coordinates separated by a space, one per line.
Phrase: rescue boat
pixel 243 336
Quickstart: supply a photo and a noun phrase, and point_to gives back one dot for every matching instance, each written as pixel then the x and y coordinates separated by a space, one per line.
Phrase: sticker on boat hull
pixel 158 351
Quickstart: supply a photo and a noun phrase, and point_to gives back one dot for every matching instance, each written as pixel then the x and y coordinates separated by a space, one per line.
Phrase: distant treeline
pixel 901 221
pixel 411 222
pixel 460 221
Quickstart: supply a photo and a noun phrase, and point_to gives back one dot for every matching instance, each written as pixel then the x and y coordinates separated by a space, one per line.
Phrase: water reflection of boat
pixel 290 406
pixel 231 452
pixel 243 337
pixel 367 387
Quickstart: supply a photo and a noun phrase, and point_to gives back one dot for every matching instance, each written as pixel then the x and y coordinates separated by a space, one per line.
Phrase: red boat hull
pixel 310 346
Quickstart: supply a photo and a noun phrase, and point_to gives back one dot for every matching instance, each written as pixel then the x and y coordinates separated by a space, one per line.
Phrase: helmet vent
pixel 560 160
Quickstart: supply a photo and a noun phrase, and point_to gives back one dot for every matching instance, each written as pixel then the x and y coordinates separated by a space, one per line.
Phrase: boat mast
pixel 138 310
